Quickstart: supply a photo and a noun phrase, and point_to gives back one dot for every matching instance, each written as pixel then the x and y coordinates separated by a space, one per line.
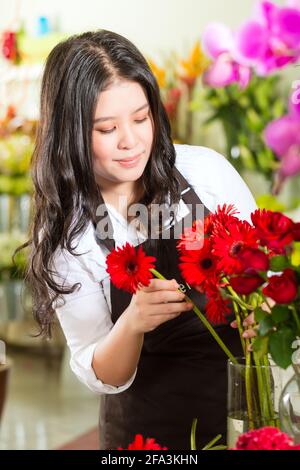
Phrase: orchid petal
pixel 281 134
pixel 216 39
pixel 287 26
pixel 264 13
pixel 252 41
pixel 221 73
pixel 290 165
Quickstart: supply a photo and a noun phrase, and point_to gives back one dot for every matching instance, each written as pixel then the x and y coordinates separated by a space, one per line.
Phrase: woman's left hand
pixel 247 323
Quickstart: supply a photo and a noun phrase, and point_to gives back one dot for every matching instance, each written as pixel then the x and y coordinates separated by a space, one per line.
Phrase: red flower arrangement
pixel 234 262
pixel 266 438
pixel 141 443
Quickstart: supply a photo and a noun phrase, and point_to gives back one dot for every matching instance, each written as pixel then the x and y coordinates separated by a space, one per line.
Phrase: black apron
pixel 181 372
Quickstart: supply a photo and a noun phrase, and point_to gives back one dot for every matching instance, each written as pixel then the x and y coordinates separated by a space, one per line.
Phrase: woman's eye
pixel 109 131
pixel 141 120
pixel 106 131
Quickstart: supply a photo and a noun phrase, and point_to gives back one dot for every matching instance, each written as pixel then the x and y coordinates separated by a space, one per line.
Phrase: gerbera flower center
pixel 132 268
pixel 206 263
pixel 236 248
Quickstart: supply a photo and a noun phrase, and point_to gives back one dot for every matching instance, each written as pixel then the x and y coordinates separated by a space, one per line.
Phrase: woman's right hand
pixel 155 304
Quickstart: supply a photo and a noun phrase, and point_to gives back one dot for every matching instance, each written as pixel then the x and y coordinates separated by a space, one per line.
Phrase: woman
pixel 103 145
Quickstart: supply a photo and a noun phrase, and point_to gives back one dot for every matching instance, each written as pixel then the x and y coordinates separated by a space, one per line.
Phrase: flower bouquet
pixel 245 269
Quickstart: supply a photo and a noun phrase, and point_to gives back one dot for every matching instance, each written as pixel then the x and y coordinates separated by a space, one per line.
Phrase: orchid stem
pixel 204 321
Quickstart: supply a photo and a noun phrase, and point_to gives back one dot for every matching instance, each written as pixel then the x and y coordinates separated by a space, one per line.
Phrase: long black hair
pixel 65 191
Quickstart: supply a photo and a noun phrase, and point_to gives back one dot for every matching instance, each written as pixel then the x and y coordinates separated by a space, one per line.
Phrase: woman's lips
pixel 129 162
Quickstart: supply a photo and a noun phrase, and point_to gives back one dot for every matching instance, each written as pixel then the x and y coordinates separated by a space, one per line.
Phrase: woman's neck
pixel 122 196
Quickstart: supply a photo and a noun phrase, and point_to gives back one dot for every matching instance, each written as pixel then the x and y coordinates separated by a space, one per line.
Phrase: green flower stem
pixel 263 391
pixel 233 295
pixel 267 369
pixel 193 434
pixel 204 321
pixel 212 442
pixel 296 317
pixel 248 386
pixel 240 327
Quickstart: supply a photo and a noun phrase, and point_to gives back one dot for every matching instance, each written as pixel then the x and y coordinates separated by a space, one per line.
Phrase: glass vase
pixel 253 396
pixel 289 407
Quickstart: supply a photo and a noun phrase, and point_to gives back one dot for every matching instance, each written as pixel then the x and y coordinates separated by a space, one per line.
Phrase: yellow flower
pixel 195 64
pixel 159 73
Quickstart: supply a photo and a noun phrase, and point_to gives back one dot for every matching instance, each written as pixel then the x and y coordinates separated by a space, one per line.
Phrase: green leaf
pixel 260 345
pixel 270 202
pixel 280 313
pixel 259 314
pixel 281 346
pixel 278 263
pixel 266 325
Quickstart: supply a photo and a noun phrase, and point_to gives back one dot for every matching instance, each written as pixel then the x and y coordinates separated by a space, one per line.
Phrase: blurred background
pixel 229 80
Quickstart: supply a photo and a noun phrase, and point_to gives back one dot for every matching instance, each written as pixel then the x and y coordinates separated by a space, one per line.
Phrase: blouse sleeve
pixel 85 320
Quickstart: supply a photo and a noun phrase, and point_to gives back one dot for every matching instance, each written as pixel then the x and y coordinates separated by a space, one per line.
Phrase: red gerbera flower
pixel 129 267
pixel 229 242
pixel 222 216
pixel 274 230
pixel 198 267
pixel 216 307
pixel 140 443
pixel 192 237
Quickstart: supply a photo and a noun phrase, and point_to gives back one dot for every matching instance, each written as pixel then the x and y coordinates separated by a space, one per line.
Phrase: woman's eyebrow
pixel 114 117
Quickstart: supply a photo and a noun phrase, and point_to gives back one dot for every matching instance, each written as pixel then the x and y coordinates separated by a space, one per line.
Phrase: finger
pixel 169 308
pixel 249 320
pixel 249 333
pixel 160 284
pixel 164 296
pixel 234 324
pixel 159 319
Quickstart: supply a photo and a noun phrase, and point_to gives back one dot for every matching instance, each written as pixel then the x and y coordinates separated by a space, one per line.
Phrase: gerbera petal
pixel 129 267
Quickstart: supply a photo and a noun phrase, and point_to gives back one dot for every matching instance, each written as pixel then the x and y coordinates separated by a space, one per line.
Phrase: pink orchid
pixel 272 39
pixel 218 43
pixel 283 137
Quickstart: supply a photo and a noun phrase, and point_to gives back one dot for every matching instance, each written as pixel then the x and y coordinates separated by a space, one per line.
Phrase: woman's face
pixel 122 129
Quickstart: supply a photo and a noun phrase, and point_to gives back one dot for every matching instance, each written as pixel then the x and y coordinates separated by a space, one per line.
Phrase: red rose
pixel 244 285
pixel 282 288
pixel 266 438
pixel 254 259
pixel 296 232
pixel 274 229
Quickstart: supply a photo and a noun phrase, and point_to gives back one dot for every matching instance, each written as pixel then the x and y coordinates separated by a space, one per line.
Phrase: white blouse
pixel 86 316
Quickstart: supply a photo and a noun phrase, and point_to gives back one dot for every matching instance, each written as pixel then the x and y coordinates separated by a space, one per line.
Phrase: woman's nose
pixel 127 138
